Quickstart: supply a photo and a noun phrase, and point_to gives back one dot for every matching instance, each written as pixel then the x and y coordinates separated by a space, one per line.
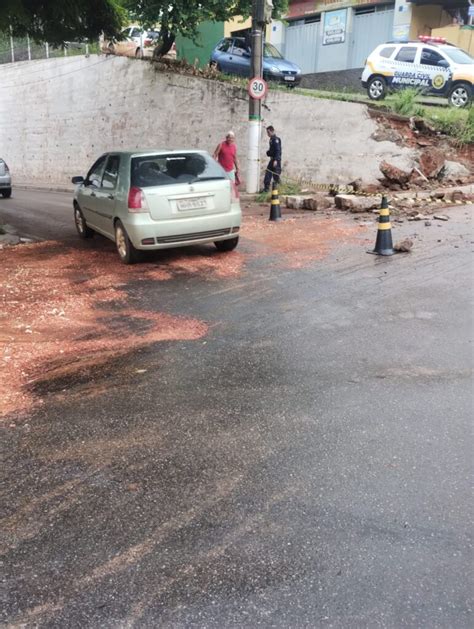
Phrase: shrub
pixel 404 103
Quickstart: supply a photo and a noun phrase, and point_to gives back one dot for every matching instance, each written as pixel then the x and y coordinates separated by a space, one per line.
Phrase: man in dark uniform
pixel 274 165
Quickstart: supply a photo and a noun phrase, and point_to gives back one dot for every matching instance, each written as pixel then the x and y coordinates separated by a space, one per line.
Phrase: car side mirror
pixel 76 180
pixel 442 63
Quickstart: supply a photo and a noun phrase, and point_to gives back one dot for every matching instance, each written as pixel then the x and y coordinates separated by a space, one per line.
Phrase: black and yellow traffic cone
pixel 275 208
pixel 383 244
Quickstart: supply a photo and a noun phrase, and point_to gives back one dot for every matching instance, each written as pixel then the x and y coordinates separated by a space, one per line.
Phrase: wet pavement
pixel 302 461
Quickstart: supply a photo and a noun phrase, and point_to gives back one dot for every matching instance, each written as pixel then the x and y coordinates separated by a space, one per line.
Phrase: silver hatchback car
pixel 157 200
pixel 5 180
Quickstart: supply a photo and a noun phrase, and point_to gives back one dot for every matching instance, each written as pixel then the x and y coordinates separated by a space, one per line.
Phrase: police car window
pixel 430 57
pixel 406 54
pixel 458 55
pixel 224 45
pixel 387 52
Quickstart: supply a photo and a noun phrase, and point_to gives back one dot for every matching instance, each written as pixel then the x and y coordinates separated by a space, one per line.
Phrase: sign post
pixel 261 15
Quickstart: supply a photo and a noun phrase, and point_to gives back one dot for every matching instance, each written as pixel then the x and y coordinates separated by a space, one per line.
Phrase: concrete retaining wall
pixel 57 116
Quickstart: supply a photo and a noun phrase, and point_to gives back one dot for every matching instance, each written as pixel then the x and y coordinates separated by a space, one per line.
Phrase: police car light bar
pixel 426 39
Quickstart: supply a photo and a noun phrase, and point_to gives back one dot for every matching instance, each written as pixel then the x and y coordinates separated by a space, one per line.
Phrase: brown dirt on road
pixel 65 310
pixel 302 238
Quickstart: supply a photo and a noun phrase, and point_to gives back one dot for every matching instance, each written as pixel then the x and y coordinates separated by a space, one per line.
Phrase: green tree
pixel 59 21
pixel 184 16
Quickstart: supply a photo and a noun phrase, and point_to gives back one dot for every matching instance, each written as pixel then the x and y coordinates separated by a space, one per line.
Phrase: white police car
pixel 431 65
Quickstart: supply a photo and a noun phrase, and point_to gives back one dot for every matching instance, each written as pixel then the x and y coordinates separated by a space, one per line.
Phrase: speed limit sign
pixel 257 88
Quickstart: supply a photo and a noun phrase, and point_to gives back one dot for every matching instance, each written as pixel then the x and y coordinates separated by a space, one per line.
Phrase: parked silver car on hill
pixel 157 200
pixel 5 180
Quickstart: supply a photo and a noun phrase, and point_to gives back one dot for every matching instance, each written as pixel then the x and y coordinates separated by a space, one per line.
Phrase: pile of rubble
pixel 408 190
pixel 409 203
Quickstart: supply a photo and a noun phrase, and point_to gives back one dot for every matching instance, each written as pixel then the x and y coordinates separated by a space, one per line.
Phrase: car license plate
pixel 289 78
pixel 192 204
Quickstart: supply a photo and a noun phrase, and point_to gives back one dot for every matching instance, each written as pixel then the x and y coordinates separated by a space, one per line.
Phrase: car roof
pixel 418 43
pixel 150 152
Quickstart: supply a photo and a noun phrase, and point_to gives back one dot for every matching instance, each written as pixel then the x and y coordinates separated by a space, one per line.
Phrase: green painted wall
pixel 209 35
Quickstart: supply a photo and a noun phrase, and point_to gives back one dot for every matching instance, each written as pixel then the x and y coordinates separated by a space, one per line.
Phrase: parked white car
pixel 431 65
pixel 135 42
pixel 146 200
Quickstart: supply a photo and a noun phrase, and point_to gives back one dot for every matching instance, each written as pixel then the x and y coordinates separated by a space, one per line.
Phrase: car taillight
pixel 137 201
pixel 6 168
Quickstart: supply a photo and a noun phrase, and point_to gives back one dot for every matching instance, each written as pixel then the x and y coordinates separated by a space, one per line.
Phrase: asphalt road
pixel 39 215
pixel 306 464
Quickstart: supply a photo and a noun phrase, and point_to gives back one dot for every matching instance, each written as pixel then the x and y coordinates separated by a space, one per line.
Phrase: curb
pixel 24 186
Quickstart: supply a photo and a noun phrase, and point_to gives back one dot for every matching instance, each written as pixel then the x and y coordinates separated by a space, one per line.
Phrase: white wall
pixel 58 115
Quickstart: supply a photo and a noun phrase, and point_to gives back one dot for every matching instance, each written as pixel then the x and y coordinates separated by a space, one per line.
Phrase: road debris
pixel 418 217
pixel 441 217
pixel 404 246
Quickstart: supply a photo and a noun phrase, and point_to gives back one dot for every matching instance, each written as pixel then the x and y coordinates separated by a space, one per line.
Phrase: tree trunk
pixel 164 44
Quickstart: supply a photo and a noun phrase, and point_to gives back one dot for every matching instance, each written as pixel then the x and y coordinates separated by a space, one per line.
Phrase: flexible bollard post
pixel 275 208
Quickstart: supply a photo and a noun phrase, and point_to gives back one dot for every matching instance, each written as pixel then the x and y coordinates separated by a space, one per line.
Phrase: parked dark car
pixel 5 180
pixel 232 55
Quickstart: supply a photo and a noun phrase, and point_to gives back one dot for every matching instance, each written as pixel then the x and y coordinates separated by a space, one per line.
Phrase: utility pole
pixel 261 15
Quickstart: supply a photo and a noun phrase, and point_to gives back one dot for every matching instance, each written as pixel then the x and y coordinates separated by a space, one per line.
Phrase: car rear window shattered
pixel 166 170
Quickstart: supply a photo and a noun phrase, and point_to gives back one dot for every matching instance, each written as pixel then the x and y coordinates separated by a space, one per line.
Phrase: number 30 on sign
pixel 257 88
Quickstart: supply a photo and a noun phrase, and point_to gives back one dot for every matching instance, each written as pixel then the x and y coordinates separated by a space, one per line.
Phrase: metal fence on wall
pixel 13 49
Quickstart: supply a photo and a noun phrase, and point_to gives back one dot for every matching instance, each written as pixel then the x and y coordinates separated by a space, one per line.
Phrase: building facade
pixel 331 35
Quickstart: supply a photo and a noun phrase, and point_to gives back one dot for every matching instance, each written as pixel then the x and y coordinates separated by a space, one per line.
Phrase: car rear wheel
pixel 82 228
pixel 139 53
pixel 215 65
pixel 7 193
pixel 377 88
pixel 460 95
pixel 227 245
pixel 127 252
pixel 111 49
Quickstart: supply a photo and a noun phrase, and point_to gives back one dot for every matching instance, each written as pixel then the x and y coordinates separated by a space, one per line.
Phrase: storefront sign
pixel 334 31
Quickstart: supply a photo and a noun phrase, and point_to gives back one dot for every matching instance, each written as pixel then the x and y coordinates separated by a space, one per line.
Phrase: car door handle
pixel 92 194
pixel 110 196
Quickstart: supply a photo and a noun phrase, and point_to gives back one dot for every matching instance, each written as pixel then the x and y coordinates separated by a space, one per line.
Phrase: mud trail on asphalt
pixel 66 313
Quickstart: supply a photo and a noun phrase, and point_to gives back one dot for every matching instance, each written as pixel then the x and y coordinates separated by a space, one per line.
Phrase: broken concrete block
pixel 441 217
pixel 454 170
pixel 295 202
pixel 318 202
pixel 431 162
pixel 354 203
pixel 394 174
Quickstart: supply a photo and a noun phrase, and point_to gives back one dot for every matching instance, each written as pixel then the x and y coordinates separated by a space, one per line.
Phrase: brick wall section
pixel 58 116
